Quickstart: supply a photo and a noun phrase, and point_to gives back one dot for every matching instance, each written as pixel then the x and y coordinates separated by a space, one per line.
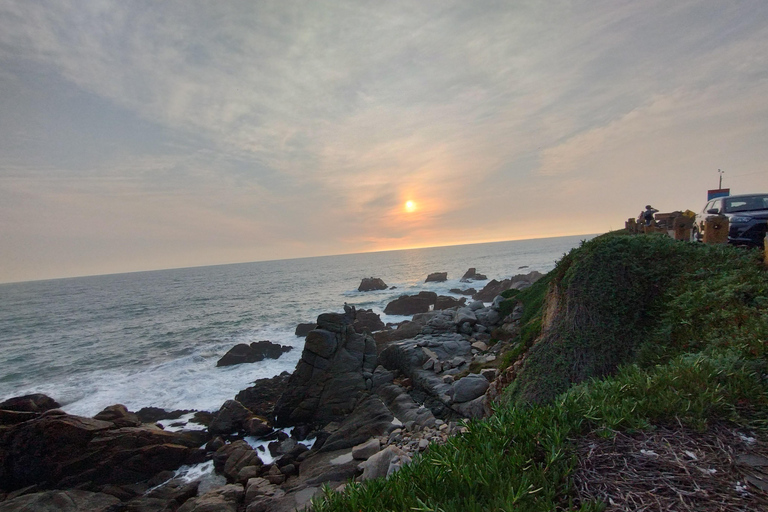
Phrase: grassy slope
pixel 686 326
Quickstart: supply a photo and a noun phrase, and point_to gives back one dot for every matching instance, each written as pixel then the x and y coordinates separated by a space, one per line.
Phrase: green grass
pixel 698 356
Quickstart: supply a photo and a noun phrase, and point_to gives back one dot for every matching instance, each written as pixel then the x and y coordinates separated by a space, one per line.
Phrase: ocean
pixel 153 338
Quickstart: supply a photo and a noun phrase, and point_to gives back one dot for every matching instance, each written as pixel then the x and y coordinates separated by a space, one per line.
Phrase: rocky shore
pixel 364 399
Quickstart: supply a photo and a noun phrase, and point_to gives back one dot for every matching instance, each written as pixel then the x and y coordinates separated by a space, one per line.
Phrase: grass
pixel 693 353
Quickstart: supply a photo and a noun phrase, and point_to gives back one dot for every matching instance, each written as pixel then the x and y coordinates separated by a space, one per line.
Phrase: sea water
pixel 153 338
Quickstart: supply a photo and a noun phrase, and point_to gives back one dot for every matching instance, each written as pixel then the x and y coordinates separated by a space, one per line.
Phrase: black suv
pixel 747 217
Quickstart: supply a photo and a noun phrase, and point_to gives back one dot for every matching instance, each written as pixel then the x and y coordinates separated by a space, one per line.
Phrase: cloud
pixel 280 120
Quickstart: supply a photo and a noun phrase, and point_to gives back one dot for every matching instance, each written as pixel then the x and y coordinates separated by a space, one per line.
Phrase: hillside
pixel 632 351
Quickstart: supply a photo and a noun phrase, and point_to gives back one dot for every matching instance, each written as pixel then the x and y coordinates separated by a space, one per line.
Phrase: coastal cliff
pixel 636 352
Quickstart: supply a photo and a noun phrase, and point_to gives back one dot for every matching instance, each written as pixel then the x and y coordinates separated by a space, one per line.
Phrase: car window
pixel 746 203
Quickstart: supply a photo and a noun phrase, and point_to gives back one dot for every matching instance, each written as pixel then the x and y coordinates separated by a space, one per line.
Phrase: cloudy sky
pixel 143 134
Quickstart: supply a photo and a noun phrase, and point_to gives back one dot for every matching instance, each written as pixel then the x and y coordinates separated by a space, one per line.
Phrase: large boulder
pixel 232 458
pixel 370 418
pixel 470 387
pixel 261 398
pixel 472 275
pixel 446 302
pixel 372 283
pixel 437 277
pixel 411 304
pixel 37 402
pixel 231 418
pixel 119 415
pixel 335 368
pixel 64 450
pixel 303 329
pixel 367 320
pixel 256 351
pixel 62 501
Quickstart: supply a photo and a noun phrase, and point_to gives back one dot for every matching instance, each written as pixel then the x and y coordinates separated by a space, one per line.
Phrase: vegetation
pixel 644 331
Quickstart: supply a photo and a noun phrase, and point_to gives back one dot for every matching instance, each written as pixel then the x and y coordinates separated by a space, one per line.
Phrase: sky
pixel 144 135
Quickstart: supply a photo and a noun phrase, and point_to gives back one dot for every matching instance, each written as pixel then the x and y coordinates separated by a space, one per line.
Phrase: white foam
pixel 191 382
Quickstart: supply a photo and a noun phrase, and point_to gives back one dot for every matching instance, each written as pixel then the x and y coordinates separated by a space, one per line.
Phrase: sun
pixel 410 206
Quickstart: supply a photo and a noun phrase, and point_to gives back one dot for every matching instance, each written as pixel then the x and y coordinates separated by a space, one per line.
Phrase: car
pixel 747 218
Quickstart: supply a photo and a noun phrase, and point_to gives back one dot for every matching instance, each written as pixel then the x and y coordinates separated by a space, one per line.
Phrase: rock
pixel 232 458
pixel 476 408
pixel 371 283
pixel 256 351
pixel 62 501
pixel 155 414
pixel 37 403
pixel 367 320
pixel 370 418
pixel 303 329
pixel 366 449
pixel 468 291
pixel 479 345
pixel 231 418
pixel 472 275
pixel 330 376
pixel 119 415
pixel 489 373
pixel 322 467
pixel 404 407
pixel 465 315
pixel 224 499
pixel 446 302
pixel 437 277
pixel 411 304
pixel 494 287
pixel 469 387
pixel 261 398
pixel 384 463
pixel 257 427
pixel 64 450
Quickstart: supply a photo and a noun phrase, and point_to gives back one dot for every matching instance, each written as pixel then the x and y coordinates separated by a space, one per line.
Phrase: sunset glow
pixel 410 206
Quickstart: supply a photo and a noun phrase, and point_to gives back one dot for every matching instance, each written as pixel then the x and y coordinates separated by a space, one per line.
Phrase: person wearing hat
pixel 647 215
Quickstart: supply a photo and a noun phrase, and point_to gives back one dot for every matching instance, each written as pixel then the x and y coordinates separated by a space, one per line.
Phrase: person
pixel 647 215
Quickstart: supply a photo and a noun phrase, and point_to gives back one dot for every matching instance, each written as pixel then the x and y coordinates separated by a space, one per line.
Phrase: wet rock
pixel 472 275
pixel 37 403
pixel 303 329
pixel 437 277
pixel 119 415
pixel 232 458
pixel 261 398
pixel 256 351
pixel 231 418
pixel 371 283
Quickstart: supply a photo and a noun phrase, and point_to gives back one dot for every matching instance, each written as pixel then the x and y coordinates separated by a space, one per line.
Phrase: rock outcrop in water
pixel 256 351
pixel 372 283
